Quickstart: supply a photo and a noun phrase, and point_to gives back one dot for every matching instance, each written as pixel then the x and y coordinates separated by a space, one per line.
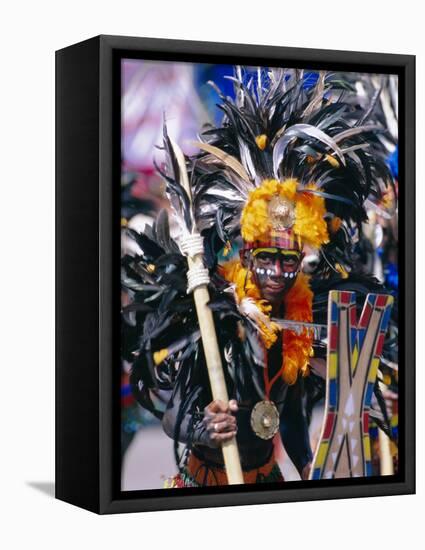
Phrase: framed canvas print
pixel 235 274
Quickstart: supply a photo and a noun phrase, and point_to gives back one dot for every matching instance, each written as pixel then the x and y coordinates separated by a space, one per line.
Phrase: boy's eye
pixel 290 261
pixel 265 258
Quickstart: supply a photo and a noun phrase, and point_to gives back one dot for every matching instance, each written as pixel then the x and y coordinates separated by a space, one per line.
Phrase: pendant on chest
pixel 265 419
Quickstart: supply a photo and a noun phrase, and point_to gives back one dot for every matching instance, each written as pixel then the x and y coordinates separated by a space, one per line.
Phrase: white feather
pixel 250 309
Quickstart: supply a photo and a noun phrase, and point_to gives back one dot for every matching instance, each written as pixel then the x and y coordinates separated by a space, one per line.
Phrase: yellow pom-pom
pixel 159 356
pixel 261 141
pixel 342 271
pixel 332 161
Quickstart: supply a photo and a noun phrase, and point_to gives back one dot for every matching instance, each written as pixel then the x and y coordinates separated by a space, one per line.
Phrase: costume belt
pixel 207 473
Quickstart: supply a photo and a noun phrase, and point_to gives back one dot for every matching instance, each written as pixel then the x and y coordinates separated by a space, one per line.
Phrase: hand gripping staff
pixel 191 245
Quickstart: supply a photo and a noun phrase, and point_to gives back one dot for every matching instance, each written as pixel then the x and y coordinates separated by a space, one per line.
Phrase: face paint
pixel 275 271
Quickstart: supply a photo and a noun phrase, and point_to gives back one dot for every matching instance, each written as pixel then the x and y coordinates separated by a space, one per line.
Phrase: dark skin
pixel 274 274
pixel 220 422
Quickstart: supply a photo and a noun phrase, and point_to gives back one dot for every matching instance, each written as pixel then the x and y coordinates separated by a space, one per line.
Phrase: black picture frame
pixel 87 278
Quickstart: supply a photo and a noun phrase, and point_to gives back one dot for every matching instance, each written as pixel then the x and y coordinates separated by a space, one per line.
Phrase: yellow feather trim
pixel 309 227
pixel 298 303
pixel 332 161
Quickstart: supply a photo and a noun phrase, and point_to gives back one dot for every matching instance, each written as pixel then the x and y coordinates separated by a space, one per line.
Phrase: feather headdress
pixel 319 152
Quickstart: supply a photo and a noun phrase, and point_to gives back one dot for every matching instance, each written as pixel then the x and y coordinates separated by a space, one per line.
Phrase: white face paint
pixel 272 272
pixel 275 273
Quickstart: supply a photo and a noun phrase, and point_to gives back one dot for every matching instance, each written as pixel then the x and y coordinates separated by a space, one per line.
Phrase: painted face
pixel 275 271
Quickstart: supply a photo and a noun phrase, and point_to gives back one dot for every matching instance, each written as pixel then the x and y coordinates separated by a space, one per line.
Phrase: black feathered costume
pixel 276 128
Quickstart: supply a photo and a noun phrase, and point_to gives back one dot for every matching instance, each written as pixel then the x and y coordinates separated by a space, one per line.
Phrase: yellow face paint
pixel 284 252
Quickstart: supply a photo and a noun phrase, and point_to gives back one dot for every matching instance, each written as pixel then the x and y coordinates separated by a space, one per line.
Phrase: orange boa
pixel 298 302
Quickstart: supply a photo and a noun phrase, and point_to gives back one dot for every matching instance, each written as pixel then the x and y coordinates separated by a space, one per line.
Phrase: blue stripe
pixel 369 392
pixel 332 393
pixel 334 312
pixel 316 473
pixel 372 299
pixel 353 338
pixel 386 319
pixel 361 334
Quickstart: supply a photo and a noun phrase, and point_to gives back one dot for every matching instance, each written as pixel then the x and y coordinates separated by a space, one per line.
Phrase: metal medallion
pixel 282 213
pixel 265 419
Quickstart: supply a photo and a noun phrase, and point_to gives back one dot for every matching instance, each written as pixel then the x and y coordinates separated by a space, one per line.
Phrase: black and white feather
pixel 316 134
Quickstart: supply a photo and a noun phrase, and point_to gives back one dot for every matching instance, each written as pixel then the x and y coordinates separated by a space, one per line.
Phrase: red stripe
pixel 329 425
pixel 345 297
pixel 381 300
pixel 365 317
pixel 334 337
pixel 380 344
pixel 353 317
pixel 277 239
pixel 366 422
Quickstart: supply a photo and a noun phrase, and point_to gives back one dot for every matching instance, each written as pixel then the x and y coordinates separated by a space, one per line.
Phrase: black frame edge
pixel 106 248
pixel 401 64
pixel 409 243
pixel 196 48
pixel 77 167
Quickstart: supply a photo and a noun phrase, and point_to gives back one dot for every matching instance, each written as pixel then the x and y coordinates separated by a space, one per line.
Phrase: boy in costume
pixel 290 168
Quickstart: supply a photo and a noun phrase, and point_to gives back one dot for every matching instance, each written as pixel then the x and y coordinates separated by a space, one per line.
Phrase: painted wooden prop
pixel 353 357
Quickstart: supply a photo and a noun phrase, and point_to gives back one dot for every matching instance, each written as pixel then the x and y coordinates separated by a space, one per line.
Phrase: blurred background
pixel 179 93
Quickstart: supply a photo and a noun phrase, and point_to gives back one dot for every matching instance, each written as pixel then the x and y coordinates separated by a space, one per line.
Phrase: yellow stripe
pixel 373 369
pixel 333 365
pixel 321 455
pixel 366 446
pixel 354 357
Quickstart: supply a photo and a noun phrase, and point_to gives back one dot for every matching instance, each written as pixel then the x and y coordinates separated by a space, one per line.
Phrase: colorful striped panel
pixel 354 351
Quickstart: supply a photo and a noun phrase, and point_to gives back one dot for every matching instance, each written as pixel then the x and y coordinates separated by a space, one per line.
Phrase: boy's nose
pixel 277 268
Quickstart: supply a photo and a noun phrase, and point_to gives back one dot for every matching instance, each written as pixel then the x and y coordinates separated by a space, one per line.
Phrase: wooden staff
pixel 386 459
pixel 210 344
pixel 385 456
